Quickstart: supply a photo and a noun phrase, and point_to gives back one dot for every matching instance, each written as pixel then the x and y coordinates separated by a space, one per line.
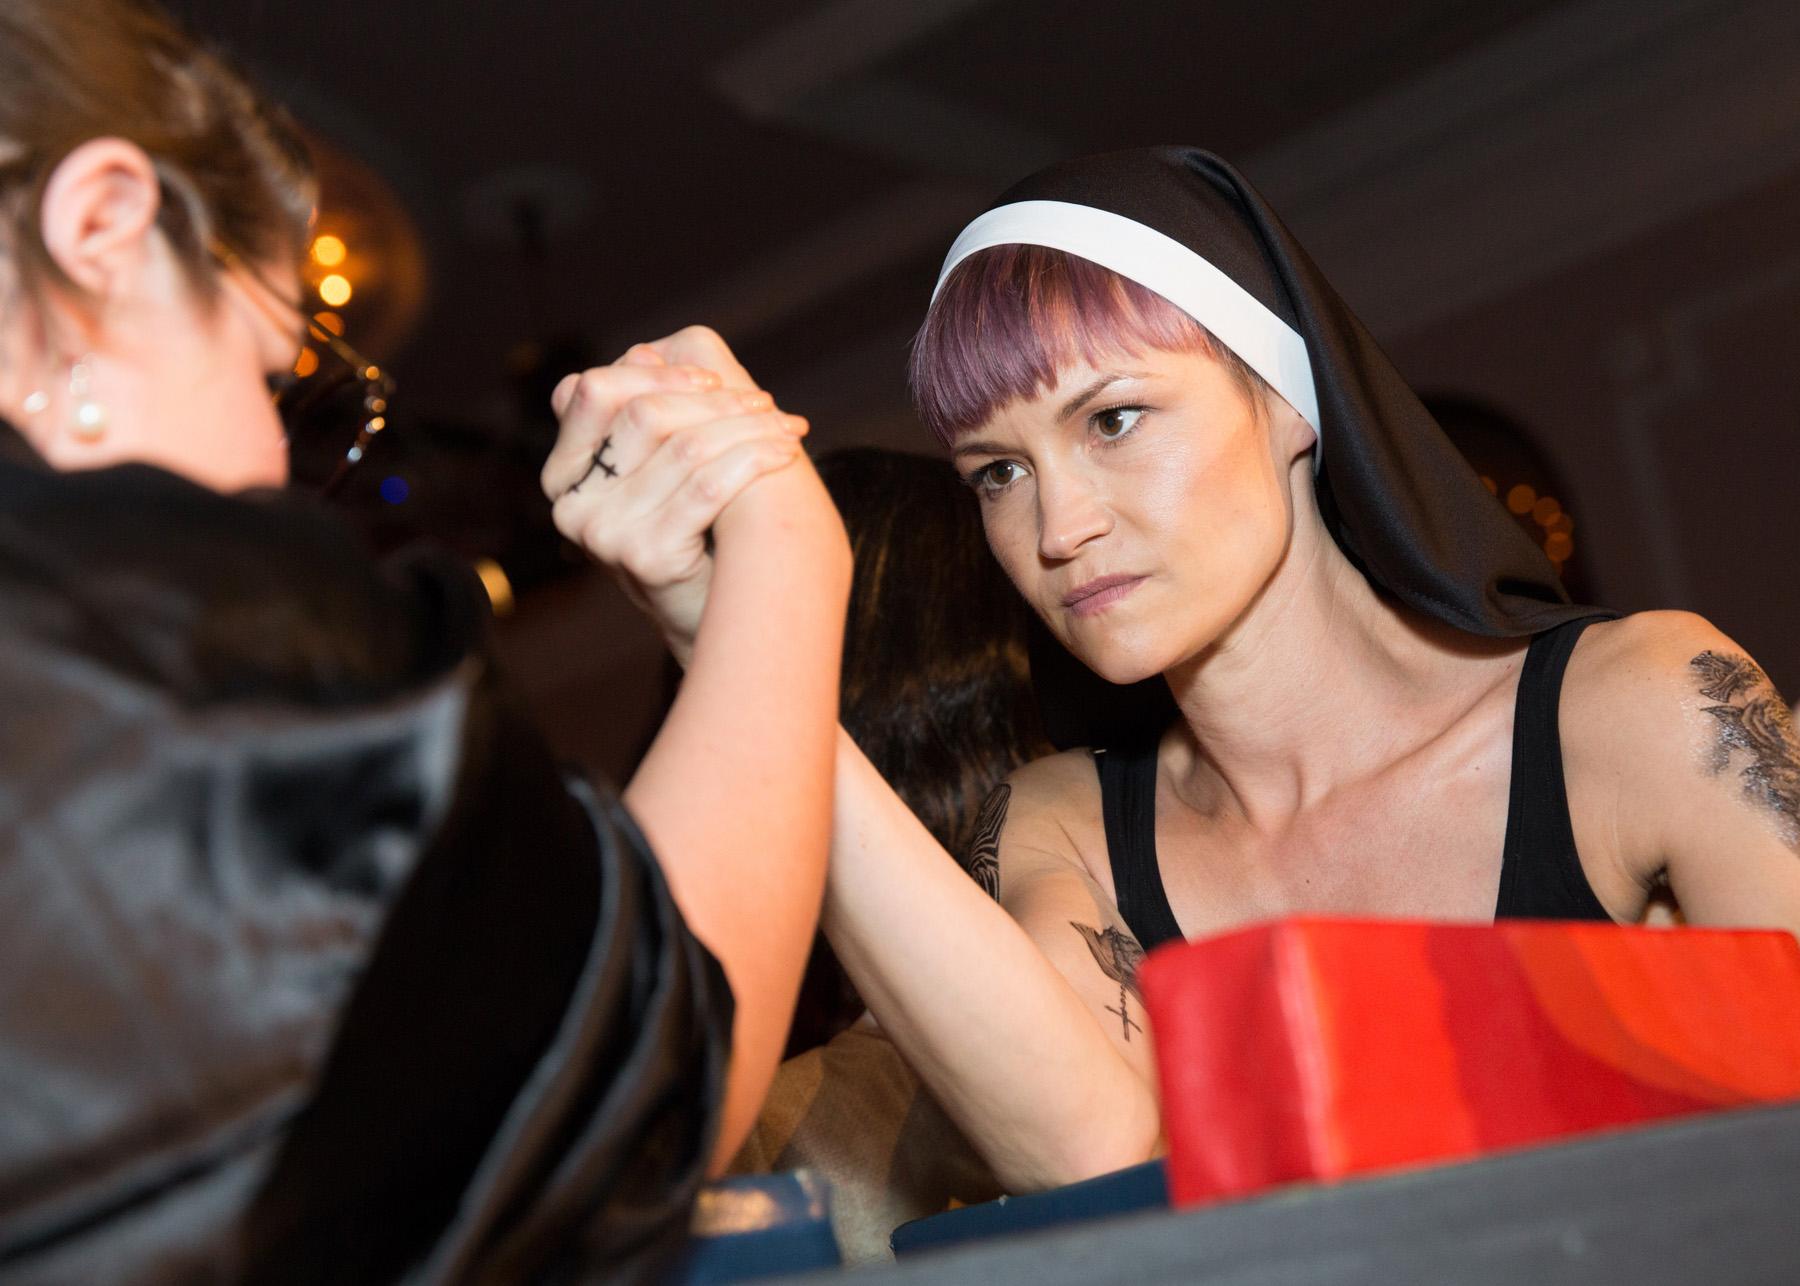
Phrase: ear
pixel 99 209
pixel 1293 437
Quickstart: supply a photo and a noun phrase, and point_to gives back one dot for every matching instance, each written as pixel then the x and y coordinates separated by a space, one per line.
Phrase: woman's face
pixel 192 382
pixel 1139 506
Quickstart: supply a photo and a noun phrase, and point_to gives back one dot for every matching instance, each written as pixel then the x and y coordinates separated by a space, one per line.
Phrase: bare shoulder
pixel 1650 671
pixel 1656 707
pixel 1039 816
pixel 1059 783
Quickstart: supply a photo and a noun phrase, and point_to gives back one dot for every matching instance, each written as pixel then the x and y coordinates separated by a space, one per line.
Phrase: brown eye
pixel 1115 422
pixel 991 479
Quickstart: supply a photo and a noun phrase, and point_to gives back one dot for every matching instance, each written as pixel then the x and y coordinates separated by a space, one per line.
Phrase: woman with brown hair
pixel 316 967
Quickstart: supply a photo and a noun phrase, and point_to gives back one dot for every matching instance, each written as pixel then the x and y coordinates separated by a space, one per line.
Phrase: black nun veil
pixel 1397 496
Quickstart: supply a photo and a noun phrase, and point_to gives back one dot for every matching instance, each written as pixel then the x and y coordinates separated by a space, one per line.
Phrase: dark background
pixel 1581 215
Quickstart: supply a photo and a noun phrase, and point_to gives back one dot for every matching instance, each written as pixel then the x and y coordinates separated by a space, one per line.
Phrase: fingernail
pixel 798 425
pixel 700 377
pixel 755 400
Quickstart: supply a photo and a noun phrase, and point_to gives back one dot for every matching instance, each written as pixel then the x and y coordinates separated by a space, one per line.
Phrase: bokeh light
pixel 335 290
pixel 497 584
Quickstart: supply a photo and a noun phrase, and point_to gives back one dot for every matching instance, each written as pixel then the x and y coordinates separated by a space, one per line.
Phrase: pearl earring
pixel 89 416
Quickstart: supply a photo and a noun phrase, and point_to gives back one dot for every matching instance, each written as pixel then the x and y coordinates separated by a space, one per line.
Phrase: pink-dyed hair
pixel 1011 317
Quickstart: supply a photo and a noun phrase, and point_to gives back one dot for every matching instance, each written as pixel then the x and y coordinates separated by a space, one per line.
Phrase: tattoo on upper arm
pixel 1118 955
pixel 984 849
pixel 1753 719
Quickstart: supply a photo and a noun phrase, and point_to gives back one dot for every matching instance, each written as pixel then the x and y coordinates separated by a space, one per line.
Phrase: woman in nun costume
pixel 1304 663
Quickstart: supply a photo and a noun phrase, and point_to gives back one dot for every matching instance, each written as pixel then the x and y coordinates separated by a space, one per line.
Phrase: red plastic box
pixel 1315 1049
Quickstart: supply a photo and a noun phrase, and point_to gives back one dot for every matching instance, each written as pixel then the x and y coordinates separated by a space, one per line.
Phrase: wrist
pixel 790 516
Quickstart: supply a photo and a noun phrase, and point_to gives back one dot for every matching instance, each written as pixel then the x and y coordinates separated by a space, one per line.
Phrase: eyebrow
pixel 982 446
pixel 1075 403
pixel 978 447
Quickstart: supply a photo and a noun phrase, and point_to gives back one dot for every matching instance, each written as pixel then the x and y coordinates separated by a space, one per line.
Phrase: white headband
pixel 1268 345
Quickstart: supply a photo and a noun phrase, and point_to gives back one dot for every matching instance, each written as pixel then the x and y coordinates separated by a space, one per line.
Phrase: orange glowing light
pixel 330 321
pixel 1546 510
pixel 499 588
pixel 335 290
pixel 329 251
pixel 306 363
pixel 1559 546
pixel 1521 498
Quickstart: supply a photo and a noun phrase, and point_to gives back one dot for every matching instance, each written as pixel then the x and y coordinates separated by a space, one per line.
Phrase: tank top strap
pixel 1128 807
pixel 1540 874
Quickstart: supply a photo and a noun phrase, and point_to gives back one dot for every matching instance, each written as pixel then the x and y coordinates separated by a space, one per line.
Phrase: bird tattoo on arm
pixel 1118 956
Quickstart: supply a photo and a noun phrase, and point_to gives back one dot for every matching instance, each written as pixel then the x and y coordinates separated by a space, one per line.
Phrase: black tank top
pixel 1540 873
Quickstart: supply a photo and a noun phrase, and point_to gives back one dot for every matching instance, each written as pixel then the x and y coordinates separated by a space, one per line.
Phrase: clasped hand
pixel 651 451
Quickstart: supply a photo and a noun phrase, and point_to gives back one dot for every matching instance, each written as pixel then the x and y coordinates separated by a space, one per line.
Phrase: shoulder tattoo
pixel 1755 731
pixel 1118 955
pixel 984 849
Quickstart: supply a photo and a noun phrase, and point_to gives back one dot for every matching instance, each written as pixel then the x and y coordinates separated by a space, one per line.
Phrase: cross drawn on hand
pixel 597 461
pixel 1118 956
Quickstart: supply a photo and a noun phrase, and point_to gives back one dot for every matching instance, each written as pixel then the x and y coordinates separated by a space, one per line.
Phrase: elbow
pixel 1085 1153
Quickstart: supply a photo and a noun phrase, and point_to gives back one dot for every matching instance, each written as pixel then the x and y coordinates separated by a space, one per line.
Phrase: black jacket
pixel 313 966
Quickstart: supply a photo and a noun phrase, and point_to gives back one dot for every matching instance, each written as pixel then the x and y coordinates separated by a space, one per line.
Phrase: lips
pixel 1099 592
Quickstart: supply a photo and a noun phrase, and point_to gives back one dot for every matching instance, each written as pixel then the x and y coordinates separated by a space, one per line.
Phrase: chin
pixel 1121 661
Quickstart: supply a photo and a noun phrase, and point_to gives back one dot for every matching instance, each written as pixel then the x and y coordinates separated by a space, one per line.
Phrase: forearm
pixel 990 1025
pixel 735 792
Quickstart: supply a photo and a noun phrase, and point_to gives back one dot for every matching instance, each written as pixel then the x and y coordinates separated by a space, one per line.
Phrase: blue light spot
pixel 394 490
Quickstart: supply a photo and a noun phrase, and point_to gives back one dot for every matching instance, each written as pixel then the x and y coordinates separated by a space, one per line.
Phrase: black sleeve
pixel 527 1079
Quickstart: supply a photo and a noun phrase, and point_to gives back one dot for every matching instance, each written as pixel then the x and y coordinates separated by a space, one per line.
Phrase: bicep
pixel 1074 924
pixel 1734 851
pixel 1723 789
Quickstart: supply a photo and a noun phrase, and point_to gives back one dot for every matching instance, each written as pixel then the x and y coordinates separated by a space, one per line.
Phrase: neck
pixel 1321 682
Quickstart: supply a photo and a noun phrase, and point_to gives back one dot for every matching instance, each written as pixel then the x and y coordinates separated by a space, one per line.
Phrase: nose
pixel 1070 514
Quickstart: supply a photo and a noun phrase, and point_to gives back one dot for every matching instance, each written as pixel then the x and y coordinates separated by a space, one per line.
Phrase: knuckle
pixel 687 446
pixel 591 384
pixel 639 414
pixel 636 555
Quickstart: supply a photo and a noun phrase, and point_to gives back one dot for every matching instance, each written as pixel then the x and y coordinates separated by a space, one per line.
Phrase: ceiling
pixel 786 169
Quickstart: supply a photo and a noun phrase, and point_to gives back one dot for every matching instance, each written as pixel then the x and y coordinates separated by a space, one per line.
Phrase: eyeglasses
pixel 330 388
